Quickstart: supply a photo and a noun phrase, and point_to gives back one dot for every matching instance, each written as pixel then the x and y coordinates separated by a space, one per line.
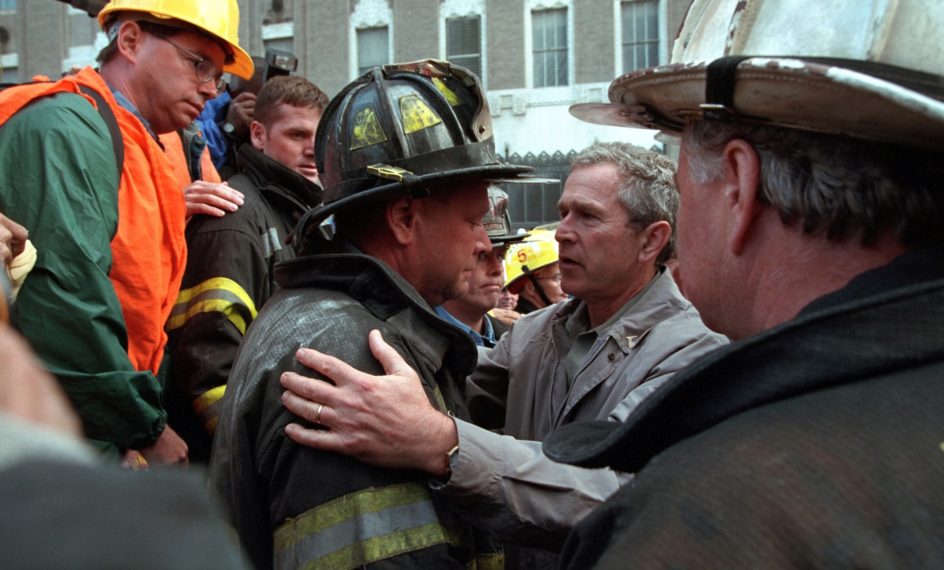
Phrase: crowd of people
pixel 369 366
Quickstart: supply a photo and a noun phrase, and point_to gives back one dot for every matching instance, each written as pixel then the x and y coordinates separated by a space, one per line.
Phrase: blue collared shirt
pixel 486 339
pixel 127 104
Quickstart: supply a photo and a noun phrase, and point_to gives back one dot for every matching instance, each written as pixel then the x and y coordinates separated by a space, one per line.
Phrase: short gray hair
pixel 845 188
pixel 646 188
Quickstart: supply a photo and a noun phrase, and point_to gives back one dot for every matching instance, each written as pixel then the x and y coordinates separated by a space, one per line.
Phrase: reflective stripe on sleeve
pixel 208 405
pixel 219 294
pixel 490 561
pixel 361 528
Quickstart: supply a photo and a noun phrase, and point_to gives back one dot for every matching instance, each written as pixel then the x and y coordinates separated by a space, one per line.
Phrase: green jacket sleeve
pixel 58 179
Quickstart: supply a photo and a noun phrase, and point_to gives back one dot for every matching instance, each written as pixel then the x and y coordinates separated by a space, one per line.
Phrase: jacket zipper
pixel 590 358
pixel 550 389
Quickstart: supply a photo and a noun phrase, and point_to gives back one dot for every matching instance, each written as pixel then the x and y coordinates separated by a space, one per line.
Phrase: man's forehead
pixel 201 44
pixel 466 199
pixel 586 196
pixel 287 111
pixel 499 249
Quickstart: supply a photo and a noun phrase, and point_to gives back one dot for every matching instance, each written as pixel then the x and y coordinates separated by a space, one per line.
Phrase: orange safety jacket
pixel 174 149
pixel 148 249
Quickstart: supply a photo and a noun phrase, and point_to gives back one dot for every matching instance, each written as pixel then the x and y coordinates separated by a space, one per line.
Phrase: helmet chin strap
pixel 537 286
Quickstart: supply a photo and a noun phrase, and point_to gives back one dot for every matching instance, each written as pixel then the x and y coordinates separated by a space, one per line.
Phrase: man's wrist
pixel 452 457
pixel 446 451
pixel 229 129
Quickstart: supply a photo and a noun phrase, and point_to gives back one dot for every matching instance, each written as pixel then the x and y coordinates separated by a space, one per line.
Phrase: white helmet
pixel 869 69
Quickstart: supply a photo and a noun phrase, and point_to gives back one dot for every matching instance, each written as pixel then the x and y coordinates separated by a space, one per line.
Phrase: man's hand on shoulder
pixel 506 316
pixel 382 420
pixel 211 199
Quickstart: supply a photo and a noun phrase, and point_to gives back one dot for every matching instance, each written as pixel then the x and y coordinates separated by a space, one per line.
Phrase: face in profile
pixel 598 247
pixel 450 236
pixel 289 137
pixel 168 90
pixel 507 300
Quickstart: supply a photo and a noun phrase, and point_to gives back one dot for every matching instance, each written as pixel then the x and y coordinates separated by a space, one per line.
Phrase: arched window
pixel 371 35
pixel 462 34
pixel 549 38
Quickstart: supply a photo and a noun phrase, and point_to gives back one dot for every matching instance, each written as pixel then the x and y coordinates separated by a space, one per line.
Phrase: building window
pixel 463 42
pixel 640 20
pixel 7 5
pixel 278 11
pixel 9 64
pixel 549 42
pixel 372 48
pixel 279 36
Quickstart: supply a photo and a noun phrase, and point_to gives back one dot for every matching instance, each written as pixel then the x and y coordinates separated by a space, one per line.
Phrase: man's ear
pixel 130 39
pixel 401 216
pixel 528 289
pixel 257 134
pixel 741 191
pixel 655 237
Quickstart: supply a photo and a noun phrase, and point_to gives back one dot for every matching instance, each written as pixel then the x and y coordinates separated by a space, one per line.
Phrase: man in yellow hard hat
pixel 83 171
pixel 533 272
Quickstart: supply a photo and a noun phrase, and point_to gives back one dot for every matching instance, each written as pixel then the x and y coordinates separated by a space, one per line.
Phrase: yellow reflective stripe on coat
pixel 208 405
pixel 489 561
pixel 361 528
pixel 218 294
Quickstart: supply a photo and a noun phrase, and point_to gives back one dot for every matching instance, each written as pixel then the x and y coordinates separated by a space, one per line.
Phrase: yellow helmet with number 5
pixel 218 18
pixel 537 250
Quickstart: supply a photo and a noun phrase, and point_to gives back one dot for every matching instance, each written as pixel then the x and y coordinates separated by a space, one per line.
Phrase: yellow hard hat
pixel 218 18
pixel 537 250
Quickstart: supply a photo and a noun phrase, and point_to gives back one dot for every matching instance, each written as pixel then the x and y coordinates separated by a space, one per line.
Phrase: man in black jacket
pixel 405 153
pixel 810 231
pixel 229 270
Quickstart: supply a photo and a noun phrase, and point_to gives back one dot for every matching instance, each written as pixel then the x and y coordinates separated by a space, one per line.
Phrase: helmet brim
pixel 779 91
pixel 507 239
pixel 241 66
pixel 487 173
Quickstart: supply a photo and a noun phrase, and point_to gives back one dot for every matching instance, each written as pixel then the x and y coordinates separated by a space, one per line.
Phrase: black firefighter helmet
pixel 497 221
pixel 398 130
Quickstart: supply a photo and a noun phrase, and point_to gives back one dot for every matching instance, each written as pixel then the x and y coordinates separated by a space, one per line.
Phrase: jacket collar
pixel 659 300
pixel 277 181
pixel 386 294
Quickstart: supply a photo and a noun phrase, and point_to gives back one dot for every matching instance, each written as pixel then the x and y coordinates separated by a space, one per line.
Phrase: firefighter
pixel 532 270
pixel 810 169
pixel 84 172
pixel 405 154
pixel 229 274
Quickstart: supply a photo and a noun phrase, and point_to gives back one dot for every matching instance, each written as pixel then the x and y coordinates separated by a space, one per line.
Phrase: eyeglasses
pixel 556 278
pixel 203 66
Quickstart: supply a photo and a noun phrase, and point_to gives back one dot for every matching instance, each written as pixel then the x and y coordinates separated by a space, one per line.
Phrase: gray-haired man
pixel 810 231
